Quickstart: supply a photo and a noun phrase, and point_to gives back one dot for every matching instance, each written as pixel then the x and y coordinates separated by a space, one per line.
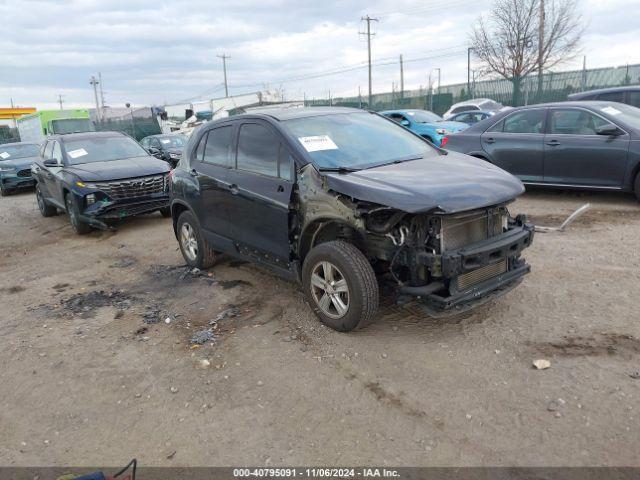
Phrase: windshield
pixel 174 141
pixel 102 149
pixel 72 125
pixel 355 140
pixel 424 116
pixel 18 151
pixel 624 113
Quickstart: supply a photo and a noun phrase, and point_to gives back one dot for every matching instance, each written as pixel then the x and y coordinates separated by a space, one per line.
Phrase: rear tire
pixel 73 212
pixel 46 210
pixel 346 298
pixel 636 187
pixel 194 247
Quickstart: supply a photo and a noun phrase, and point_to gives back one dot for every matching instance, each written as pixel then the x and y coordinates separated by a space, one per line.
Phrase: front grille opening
pixel 133 187
pixel 479 275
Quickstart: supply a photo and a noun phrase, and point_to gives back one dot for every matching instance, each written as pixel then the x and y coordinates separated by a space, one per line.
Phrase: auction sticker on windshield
pixel 317 143
pixel 4 155
pixel 80 152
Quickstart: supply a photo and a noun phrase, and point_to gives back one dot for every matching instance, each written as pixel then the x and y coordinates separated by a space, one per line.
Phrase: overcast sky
pixel 155 51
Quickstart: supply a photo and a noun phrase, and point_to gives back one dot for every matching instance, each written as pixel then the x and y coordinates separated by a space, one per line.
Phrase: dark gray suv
pixel 339 199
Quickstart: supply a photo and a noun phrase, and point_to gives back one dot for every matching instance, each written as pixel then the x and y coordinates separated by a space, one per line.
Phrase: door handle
pixel 553 143
pixel 233 188
pixel 490 140
pixel 280 188
pixel 194 172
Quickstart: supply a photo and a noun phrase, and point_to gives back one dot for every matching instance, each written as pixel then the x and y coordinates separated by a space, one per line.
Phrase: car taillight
pixel 444 141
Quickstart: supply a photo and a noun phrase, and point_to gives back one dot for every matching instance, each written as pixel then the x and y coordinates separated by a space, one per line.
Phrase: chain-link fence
pixel 139 122
pixel 8 134
pixel 555 87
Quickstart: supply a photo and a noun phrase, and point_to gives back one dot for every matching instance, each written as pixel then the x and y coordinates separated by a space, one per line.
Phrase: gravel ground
pixel 101 356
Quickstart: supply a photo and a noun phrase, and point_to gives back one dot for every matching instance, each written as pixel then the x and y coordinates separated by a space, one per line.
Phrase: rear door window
pixel 218 146
pixel 528 121
pixel 258 150
pixel 612 96
pixel 634 98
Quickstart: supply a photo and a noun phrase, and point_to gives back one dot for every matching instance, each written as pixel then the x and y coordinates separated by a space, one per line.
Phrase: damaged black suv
pixel 338 199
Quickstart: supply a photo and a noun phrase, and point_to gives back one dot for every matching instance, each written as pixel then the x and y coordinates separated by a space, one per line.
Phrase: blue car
pixel 426 124
pixel 15 166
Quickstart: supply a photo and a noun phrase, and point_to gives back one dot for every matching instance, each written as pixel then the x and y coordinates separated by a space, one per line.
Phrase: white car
pixel 474 104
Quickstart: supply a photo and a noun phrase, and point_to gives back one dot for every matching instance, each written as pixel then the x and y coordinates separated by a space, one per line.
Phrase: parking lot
pixel 86 381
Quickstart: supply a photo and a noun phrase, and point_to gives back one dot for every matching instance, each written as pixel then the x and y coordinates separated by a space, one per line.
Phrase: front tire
pixel 194 247
pixel 4 191
pixel 73 212
pixel 636 187
pixel 46 210
pixel 340 285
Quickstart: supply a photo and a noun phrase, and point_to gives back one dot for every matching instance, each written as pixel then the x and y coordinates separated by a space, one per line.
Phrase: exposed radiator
pixel 479 275
pixel 456 232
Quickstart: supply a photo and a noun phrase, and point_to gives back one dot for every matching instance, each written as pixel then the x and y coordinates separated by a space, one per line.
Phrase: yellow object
pixel 13 113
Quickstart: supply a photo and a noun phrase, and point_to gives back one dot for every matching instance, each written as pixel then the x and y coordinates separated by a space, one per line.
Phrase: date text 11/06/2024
pixel 316 472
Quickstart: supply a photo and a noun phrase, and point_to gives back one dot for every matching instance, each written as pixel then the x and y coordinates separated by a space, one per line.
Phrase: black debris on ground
pixel 202 337
pixel 230 312
pixel 85 303
pixel 152 315
pixel 182 273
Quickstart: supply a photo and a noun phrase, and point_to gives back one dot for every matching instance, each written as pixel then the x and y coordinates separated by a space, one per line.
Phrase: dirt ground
pixel 85 381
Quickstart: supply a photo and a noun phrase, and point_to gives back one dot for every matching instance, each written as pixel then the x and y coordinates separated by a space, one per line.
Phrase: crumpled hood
pixel 118 169
pixel 19 163
pixel 448 183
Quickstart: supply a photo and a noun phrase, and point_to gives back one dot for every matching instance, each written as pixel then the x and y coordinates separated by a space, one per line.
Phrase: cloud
pixel 156 51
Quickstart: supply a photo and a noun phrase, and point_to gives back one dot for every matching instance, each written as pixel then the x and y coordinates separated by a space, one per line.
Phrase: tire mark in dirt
pixel 595 345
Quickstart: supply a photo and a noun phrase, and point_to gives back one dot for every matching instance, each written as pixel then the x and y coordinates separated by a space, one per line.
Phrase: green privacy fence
pixel 556 86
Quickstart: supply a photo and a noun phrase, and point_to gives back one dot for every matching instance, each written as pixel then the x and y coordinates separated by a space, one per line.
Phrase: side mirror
pixel 405 123
pixel 51 162
pixel 608 129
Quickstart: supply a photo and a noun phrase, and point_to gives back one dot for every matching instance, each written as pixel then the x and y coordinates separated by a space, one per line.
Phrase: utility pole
pixel 368 33
pixel 94 83
pixel 430 92
pixel 469 71
pixel 60 100
pixel 359 98
pixel 101 93
pixel 15 122
pixel 224 68
pixel 584 73
pixel 401 78
pixel 541 19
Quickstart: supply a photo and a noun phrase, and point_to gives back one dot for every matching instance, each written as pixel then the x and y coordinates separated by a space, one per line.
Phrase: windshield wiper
pixel 397 160
pixel 339 169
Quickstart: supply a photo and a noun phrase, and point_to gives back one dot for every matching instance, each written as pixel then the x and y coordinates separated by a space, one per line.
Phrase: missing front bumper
pixel 478 294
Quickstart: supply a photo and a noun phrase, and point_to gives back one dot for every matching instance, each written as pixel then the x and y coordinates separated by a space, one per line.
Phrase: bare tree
pixel 521 36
